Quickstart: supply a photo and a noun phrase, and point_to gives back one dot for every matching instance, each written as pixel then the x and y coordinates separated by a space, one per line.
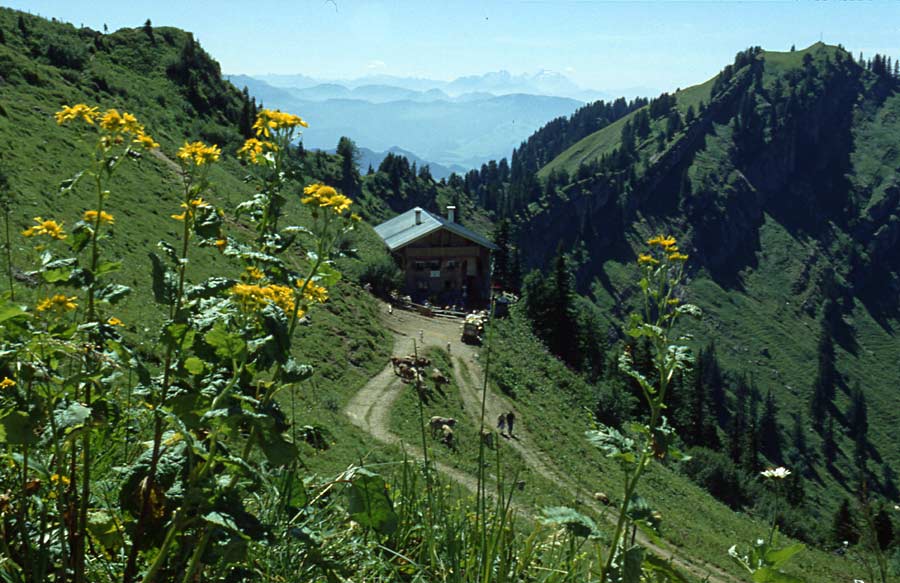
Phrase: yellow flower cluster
pixel 57 303
pixel 254 150
pixel 252 297
pixel 669 247
pixel 120 123
pixel 647 259
pixel 254 273
pixel 52 229
pixel 314 293
pixel 324 196
pixel 58 479
pixel 664 242
pixel 190 209
pixel 115 322
pixel 90 216
pixel 111 121
pixel 199 153
pixel 7 383
pixel 273 119
pixel 74 112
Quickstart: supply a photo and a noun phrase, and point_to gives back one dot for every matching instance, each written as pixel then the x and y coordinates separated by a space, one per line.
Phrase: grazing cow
pixel 438 377
pixel 447 436
pixel 602 498
pixel 437 423
pixel 397 362
pixel 419 361
pixel 487 438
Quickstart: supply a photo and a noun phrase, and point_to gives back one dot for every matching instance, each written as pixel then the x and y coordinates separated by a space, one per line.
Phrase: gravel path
pixel 370 411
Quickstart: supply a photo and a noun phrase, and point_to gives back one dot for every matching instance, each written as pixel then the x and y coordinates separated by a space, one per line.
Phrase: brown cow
pixel 437 423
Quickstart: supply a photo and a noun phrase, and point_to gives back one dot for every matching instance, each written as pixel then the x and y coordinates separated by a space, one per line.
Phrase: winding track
pixel 370 410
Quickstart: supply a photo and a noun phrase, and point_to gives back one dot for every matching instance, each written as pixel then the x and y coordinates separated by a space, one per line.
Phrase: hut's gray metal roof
pixel 403 230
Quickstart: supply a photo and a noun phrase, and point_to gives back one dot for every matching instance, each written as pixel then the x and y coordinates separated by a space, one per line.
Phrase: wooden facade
pixel 446 269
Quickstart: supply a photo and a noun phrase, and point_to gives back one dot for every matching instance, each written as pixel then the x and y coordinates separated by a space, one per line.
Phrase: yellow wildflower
pixel 90 216
pixel 282 296
pixel 647 259
pixel 120 123
pixel 58 303
pixel 355 217
pixel 50 228
pixel 273 119
pixel 221 244
pixel 7 383
pixel 190 208
pixel 254 149
pixel 254 273
pixel 668 242
pixel 146 141
pixel 57 479
pixel 314 293
pixel 252 297
pixel 199 153
pixel 80 110
pixel 673 302
pixel 325 197
pixel 657 240
pixel 677 257
pixel 115 322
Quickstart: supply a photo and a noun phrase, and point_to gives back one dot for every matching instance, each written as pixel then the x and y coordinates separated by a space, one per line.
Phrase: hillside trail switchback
pixel 370 410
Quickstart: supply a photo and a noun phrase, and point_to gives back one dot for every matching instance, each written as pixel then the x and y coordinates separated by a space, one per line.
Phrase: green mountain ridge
pixel 782 188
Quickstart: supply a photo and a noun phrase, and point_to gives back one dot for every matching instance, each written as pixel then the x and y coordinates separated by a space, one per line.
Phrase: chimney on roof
pixel 418 216
pixel 451 213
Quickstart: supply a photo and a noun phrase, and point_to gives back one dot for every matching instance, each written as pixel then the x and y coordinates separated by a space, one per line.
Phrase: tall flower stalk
pixel 662 270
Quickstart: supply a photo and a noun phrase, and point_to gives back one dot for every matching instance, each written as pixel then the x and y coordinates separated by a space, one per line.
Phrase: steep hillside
pixel 779 178
pixel 175 89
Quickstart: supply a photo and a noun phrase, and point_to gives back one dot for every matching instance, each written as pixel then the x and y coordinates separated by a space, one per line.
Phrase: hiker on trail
pixel 510 419
pixel 448 348
pixel 422 336
pixel 390 309
pixel 501 423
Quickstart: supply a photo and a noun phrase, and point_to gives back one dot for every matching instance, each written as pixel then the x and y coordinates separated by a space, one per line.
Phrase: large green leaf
pixel 294 372
pixel 369 503
pixel 226 344
pixel 633 565
pixel 770 575
pixel 575 522
pixel 278 450
pixel 164 287
pixel 9 310
pixel 17 428
pixel 776 558
pixel 72 416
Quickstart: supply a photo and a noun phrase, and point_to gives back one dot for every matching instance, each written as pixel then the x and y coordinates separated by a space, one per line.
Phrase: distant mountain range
pixel 501 82
pixel 462 123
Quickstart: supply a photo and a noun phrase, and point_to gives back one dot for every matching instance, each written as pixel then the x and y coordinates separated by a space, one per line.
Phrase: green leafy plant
pixel 661 273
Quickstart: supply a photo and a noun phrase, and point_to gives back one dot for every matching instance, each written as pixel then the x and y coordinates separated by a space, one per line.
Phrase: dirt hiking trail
pixel 370 410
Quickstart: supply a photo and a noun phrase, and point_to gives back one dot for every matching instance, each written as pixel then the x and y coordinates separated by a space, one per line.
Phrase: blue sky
pixel 600 45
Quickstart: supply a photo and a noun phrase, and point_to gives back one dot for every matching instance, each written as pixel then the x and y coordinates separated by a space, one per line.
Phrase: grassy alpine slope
pixel 781 189
pixel 128 70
